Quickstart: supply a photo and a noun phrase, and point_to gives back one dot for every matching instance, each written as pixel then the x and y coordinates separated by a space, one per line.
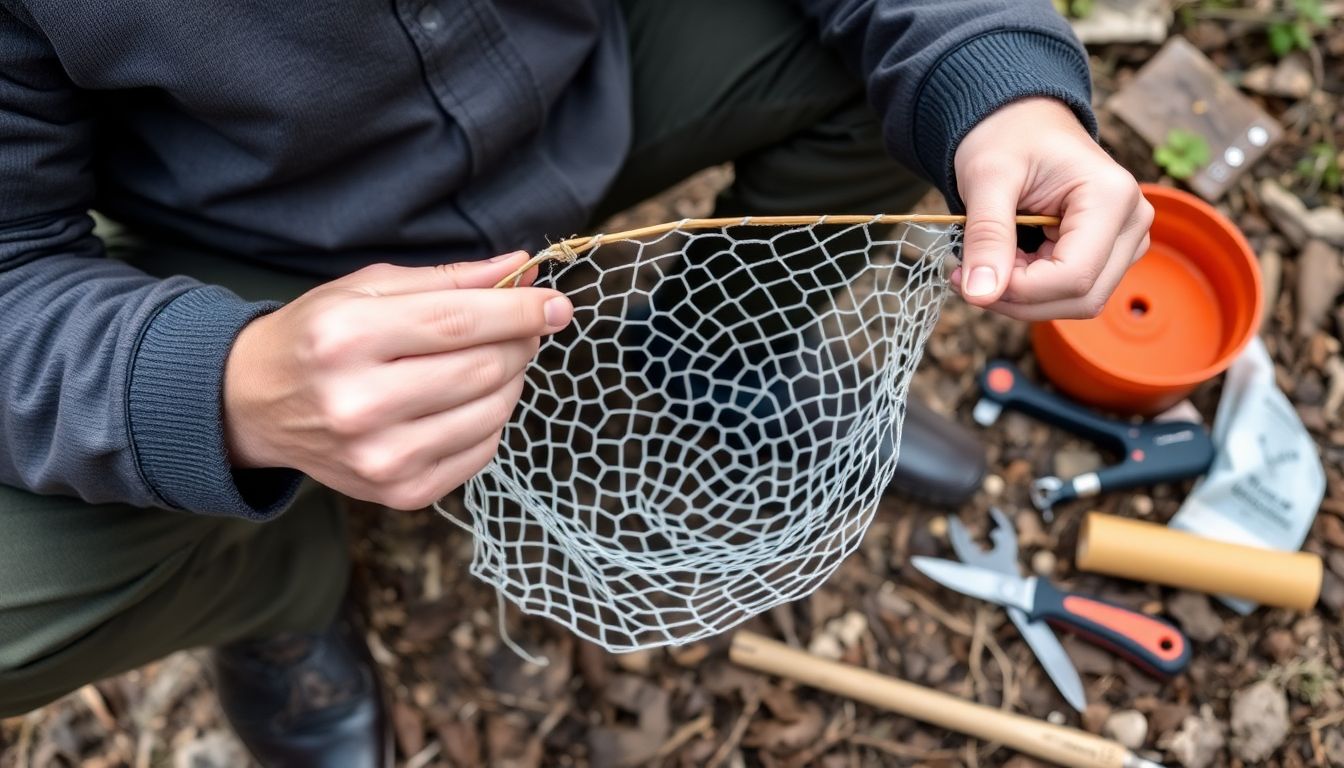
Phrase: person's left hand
pixel 1033 156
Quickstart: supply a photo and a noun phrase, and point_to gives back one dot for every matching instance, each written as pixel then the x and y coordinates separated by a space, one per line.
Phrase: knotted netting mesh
pixel 710 436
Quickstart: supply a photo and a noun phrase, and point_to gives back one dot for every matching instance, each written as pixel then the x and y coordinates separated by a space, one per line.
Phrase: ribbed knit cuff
pixel 985 73
pixel 175 405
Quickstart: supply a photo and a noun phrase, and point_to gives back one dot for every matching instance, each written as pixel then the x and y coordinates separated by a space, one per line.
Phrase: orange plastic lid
pixel 1183 312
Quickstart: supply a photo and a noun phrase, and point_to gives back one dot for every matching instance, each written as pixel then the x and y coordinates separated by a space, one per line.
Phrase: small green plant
pixel 1078 9
pixel 1320 167
pixel 1183 153
pixel 1306 679
pixel 1297 30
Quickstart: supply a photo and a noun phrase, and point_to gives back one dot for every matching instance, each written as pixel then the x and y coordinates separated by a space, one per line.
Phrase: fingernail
pixel 505 257
pixel 558 311
pixel 982 281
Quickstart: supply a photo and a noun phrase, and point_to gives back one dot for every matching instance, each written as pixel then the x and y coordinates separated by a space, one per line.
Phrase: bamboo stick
pixel 568 250
pixel 1056 743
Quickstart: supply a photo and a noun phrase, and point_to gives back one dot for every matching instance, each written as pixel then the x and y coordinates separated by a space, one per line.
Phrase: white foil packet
pixel 1266 482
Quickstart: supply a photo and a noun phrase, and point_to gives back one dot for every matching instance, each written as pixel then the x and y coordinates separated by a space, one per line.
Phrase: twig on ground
pixel 928 606
pixel 25 739
pixel 551 720
pixel 897 749
pixel 422 758
pixel 729 744
pixel 685 733
pixel 93 699
pixel 979 683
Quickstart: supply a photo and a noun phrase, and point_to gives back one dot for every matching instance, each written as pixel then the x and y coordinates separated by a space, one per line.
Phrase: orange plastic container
pixel 1179 317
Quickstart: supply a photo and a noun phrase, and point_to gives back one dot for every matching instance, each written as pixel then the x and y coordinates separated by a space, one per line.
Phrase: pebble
pixel 1043 562
pixel 1196 615
pixel 1297 223
pixel 1074 461
pixel 463 636
pixel 1259 721
pixel 1095 716
pixel 938 527
pixel 1271 279
pixel 1141 505
pixel 1128 727
pixel 638 662
pixel 1279 644
pixel 1198 742
pixel 1320 277
pixel 1017 428
pixel 216 749
pixel 1291 78
pixel 1334 395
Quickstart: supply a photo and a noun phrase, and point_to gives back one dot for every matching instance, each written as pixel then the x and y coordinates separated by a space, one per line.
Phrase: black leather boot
pixel 306 699
pixel 941 462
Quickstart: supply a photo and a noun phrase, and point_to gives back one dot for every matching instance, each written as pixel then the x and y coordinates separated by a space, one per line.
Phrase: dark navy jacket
pixel 322 136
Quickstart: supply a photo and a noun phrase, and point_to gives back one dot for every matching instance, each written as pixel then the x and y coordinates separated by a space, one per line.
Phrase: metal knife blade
pixel 1002 557
pixel 1002 588
pixel 1052 656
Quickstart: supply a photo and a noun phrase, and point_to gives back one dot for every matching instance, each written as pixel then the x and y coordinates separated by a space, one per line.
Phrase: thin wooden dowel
pixel 568 250
pixel 1056 743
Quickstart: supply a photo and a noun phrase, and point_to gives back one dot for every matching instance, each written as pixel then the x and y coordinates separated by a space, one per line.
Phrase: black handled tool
pixel 1154 452
pixel 1149 643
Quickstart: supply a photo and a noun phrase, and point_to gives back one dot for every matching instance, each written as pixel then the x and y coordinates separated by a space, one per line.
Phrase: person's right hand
pixel 391 384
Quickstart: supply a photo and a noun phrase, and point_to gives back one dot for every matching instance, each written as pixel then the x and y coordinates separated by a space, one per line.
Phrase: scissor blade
pixel 1001 588
pixel 1052 656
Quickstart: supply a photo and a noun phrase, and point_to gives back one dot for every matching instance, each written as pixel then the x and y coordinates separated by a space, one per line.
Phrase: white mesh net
pixel 711 435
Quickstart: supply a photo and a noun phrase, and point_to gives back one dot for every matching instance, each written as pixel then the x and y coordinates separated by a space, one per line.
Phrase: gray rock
pixel 1290 78
pixel 1320 277
pixel 1198 742
pixel 216 749
pixel 1196 615
pixel 1128 727
pixel 1271 280
pixel 1297 223
pixel 1259 721
pixel 1072 461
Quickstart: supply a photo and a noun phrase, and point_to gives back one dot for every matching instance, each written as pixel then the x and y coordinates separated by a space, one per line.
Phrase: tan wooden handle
pixel 1056 743
pixel 568 250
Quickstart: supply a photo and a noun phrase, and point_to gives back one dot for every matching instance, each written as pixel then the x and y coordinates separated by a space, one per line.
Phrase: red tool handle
pixel 1151 644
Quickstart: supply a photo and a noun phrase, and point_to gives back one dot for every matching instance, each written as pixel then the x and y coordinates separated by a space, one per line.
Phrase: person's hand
pixel 1033 156
pixel 392 384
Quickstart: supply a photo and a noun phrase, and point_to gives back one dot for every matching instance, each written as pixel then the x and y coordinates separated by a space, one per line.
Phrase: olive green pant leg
pixel 750 82
pixel 89 591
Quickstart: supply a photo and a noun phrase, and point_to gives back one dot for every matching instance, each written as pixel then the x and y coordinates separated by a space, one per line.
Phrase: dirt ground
pixel 461 698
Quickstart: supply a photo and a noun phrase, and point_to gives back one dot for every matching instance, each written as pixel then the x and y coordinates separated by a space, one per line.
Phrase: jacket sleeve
pixel 935 68
pixel 111 379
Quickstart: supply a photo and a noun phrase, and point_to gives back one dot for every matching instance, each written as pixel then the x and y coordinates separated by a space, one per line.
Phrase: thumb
pixel 989 246
pixel 386 279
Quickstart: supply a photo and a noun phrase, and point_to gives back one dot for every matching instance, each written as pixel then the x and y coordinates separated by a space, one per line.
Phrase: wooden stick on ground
pixel 1056 743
